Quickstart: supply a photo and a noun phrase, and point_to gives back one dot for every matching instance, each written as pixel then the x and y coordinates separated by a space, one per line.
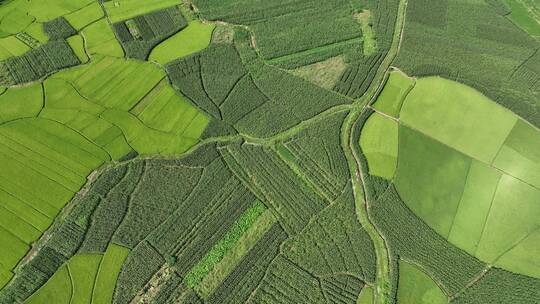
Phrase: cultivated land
pixel 298 151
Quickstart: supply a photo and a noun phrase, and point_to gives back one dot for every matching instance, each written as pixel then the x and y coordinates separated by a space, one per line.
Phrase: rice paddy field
pixel 287 151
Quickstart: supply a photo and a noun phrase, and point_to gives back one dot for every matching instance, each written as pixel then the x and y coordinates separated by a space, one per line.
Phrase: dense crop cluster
pixel 500 286
pixel 59 28
pixel 37 63
pixel 316 150
pixel 413 240
pixel 238 285
pixel 139 35
pixel 334 242
pixel 278 185
pixel 292 33
pixel 362 70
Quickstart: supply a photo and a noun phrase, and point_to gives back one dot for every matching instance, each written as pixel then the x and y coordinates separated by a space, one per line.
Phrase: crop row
pixel 140 265
pixel 282 190
pixel 111 210
pixel 334 242
pixel 65 239
pixel 285 282
pixel 412 239
pixel 317 151
pixel 160 192
pixel 58 29
pixel 362 70
pixel 240 284
pixel 341 288
pixel 39 62
pixel 458 45
pixel 501 286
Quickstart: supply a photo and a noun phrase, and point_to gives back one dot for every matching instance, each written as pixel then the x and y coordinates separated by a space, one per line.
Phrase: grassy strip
pixel 221 248
pixel 229 262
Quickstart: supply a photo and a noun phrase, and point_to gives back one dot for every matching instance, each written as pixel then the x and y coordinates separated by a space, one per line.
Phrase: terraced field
pixel 249 151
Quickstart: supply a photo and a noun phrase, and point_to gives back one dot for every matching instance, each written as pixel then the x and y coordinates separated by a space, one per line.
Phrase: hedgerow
pixel 282 190
pixel 140 265
pixel 37 63
pixel 139 35
pixel 58 29
pixel 240 283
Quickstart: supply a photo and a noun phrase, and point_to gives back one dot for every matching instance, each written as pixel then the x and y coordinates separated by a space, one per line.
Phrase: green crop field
pixel 284 151
pixel 417 287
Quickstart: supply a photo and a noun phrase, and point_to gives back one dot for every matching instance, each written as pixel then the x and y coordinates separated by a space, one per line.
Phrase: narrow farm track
pixel 349 142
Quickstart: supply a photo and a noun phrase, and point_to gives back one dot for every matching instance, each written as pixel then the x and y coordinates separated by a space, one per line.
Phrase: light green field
pixel 77 44
pixel 119 10
pixel 526 14
pixel 474 206
pixel 21 15
pixel 5 276
pixel 416 287
pixel 513 220
pixel 108 273
pixel 57 290
pixel 112 82
pixel 430 178
pixel 17 248
pixel 43 164
pixel 164 123
pixel 21 102
pixel 83 269
pixel 379 143
pixel 11 46
pixel 195 37
pixel 163 109
pixel 520 154
pixel 488 208
pixel 366 296
pixel 36 31
pixel 393 94
pixel 83 17
pixel 229 262
pixel 458 116
pixel 100 40
pixel 18 226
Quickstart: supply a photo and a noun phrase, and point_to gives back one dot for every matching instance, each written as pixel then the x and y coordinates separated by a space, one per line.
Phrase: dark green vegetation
pixel 476 44
pixel 256 151
pixel 184 216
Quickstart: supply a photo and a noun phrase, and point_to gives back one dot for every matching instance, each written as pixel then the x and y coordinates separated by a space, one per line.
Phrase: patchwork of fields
pixel 249 151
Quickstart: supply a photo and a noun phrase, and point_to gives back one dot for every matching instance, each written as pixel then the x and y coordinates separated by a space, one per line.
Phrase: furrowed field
pixel 286 151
